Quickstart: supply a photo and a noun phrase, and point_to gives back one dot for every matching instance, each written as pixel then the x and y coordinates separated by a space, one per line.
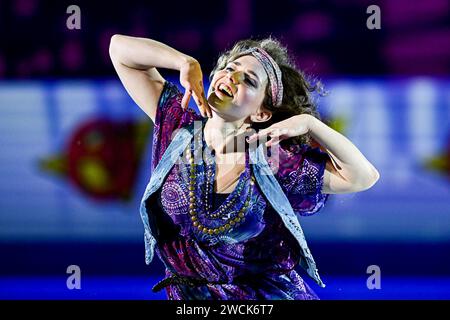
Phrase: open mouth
pixel 225 90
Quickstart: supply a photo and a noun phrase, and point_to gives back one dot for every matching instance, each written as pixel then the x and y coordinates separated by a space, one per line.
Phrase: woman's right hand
pixel 191 78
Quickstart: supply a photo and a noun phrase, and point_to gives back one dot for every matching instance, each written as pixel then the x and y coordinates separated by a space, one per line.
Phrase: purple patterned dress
pixel 256 260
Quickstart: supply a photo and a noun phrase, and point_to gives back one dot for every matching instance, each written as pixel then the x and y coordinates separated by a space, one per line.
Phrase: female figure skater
pixel 225 223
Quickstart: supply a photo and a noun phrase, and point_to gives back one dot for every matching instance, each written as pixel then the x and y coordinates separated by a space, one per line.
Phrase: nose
pixel 235 76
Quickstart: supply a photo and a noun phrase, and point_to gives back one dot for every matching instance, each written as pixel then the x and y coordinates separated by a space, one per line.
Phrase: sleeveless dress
pixel 257 257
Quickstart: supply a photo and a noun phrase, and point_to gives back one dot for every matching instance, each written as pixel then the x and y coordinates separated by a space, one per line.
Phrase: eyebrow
pixel 249 71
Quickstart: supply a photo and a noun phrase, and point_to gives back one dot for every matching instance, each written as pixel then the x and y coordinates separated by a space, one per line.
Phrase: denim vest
pixel 264 178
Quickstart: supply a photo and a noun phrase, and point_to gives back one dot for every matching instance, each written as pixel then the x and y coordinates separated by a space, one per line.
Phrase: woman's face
pixel 238 91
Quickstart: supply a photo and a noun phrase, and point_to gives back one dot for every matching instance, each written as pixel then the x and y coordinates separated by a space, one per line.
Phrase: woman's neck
pixel 219 132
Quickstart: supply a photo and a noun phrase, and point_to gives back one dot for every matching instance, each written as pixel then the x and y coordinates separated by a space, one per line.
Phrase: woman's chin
pixel 217 108
pixel 217 111
pixel 221 109
pixel 220 101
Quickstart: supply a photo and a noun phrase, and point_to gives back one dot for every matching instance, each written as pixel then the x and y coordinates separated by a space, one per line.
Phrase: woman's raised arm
pixel 136 59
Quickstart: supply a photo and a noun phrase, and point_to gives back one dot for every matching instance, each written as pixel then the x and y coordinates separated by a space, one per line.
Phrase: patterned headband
pixel 273 71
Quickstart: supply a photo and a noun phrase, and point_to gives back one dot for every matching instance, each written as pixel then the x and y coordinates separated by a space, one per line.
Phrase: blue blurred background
pixel 75 149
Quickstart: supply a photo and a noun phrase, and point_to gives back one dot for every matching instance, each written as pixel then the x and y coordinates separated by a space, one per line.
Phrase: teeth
pixel 225 88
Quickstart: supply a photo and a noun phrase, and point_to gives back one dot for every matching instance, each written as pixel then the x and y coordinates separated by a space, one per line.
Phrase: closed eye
pixel 247 79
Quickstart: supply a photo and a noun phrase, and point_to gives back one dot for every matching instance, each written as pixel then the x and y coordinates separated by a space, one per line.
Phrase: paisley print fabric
pixel 256 258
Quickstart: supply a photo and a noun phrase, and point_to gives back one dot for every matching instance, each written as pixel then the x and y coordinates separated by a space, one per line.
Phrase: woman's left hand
pixel 291 127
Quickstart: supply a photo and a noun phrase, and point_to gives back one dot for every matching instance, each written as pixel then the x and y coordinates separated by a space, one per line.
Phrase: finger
pixel 260 134
pixel 208 109
pixel 201 101
pixel 206 104
pixel 273 141
pixel 252 137
pixel 185 100
pixel 200 106
pixel 205 99
pixel 286 133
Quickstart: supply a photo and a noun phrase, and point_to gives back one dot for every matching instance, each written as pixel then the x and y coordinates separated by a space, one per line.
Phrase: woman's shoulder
pixel 170 116
pixel 288 158
pixel 300 171
pixel 170 92
pixel 303 148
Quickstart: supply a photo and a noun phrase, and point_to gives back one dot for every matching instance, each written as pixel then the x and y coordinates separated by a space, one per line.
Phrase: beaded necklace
pixel 224 219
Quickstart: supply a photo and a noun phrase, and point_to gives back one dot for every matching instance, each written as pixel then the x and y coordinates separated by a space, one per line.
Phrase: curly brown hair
pixel 297 88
